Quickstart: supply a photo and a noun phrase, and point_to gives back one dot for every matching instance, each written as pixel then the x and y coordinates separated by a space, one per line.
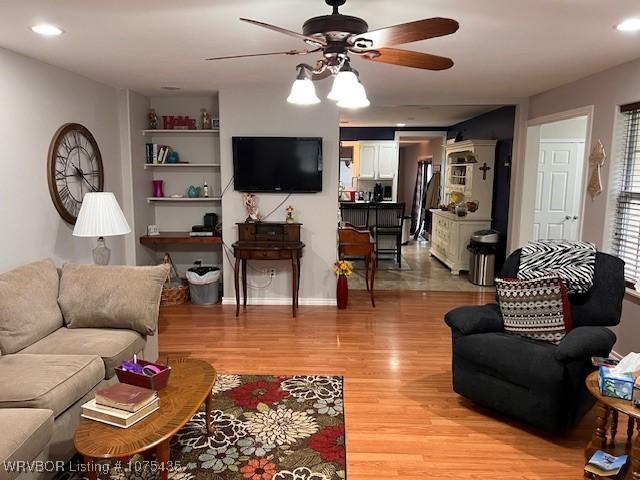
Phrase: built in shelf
pixel 180 132
pixel 178 238
pixel 183 199
pixel 181 165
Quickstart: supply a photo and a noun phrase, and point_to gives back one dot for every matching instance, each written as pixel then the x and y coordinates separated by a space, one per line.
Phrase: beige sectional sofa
pixel 62 333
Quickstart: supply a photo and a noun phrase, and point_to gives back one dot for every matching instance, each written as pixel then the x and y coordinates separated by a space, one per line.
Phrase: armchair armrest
pixel 475 319
pixel 584 342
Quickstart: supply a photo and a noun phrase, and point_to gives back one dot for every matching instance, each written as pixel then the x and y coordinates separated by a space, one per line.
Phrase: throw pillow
pixel 573 261
pixel 93 296
pixel 537 308
pixel 28 305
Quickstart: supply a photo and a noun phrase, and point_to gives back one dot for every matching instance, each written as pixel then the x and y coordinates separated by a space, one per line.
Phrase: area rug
pixel 266 428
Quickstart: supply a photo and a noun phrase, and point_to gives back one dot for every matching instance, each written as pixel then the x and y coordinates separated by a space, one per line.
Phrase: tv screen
pixel 277 164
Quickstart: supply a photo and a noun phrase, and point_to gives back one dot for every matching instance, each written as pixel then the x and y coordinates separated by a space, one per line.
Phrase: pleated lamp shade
pixel 100 216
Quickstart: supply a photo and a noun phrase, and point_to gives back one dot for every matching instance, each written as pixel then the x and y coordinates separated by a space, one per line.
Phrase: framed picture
pixel 153 230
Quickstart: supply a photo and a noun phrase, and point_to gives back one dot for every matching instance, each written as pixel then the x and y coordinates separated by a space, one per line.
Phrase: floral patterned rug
pixel 265 428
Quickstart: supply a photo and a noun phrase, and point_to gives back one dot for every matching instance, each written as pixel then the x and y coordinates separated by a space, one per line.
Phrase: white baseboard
pixel 282 301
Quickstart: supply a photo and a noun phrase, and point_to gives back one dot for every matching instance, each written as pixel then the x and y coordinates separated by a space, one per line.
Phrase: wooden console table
pixel 267 241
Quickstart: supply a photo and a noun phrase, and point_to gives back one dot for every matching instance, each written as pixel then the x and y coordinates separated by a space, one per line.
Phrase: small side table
pixel 604 433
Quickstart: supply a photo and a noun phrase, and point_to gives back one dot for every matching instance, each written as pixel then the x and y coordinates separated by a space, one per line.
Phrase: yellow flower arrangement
pixel 342 267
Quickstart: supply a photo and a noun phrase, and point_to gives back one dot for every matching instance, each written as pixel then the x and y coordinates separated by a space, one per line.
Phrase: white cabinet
pixel 378 160
pixel 387 161
pixel 368 160
pixel 450 236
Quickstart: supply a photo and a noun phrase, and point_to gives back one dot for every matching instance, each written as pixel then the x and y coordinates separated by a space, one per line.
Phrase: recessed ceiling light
pixel 401 124
pixel 47 29
pixel 629 25
pixel 170 88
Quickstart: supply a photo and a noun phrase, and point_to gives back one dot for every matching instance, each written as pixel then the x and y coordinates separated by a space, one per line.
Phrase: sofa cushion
pixel 25 433
pixel 93 296
pixel 512 358
pixel 28 305
pixel 54 382
pixel 113 345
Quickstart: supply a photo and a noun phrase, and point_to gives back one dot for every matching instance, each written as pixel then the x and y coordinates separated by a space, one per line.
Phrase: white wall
pixel 262 110
pixel 571 129
pixel 36 100
pixel 605 91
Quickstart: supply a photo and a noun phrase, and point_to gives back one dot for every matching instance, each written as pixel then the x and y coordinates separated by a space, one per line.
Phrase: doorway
pixel 559 147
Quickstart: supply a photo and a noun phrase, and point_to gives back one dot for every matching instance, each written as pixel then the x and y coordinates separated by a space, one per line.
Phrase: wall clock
pixel 74 168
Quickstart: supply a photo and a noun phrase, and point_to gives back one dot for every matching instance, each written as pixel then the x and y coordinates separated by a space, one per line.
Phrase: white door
pixel 558 191
pixel 368 160
pixel 388 161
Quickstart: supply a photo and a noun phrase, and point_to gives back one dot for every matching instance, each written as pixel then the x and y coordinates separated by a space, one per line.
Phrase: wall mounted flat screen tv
pixel 277 164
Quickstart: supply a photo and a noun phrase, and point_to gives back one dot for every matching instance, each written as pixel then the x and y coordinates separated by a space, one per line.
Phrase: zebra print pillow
pixel 574 262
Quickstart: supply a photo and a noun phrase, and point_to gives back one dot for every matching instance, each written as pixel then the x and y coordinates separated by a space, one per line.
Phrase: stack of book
pixel 156 154
pixel 121 405
pixel 604 465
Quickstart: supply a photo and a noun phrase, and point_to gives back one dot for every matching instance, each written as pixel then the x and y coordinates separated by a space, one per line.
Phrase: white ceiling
pixel 505 49
pixel 412 115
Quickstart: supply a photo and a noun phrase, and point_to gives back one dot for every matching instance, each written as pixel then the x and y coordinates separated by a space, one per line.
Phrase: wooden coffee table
pixel 604 433
pixel 189 387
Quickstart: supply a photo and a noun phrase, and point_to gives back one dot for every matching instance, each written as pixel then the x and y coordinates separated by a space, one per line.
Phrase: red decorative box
pixel 153 382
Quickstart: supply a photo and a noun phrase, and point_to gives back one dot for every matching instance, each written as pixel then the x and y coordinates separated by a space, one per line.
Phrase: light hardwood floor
pixel 402 418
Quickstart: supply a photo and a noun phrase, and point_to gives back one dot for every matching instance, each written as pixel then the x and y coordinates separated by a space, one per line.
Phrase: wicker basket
pixel 175 294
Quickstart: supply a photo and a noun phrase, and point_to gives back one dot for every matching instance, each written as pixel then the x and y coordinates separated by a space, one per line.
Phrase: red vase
pixel 342 292
pixel 158 188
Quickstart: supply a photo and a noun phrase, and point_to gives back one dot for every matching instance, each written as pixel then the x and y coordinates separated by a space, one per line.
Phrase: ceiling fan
pixel 338 36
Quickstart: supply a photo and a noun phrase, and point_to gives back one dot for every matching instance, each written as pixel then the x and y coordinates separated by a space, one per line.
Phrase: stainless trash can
pixel 482 264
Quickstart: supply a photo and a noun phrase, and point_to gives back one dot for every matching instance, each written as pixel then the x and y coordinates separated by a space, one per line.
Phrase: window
pixel 626 228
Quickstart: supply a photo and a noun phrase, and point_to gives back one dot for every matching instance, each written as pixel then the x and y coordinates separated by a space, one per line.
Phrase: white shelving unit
pixel 201 149
pixel 160 131
pixel 183 199
pixel 181 165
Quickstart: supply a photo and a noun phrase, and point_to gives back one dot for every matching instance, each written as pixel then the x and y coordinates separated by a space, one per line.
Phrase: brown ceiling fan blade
pixel 288 52
pixel 409 32
pixel 406 58
pixel 308 38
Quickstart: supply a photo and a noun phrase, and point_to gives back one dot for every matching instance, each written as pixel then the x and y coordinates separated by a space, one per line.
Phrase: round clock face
pixel 75 168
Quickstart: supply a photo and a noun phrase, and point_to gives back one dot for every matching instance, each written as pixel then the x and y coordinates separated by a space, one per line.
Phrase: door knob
pixel 575 217
pixel 568 217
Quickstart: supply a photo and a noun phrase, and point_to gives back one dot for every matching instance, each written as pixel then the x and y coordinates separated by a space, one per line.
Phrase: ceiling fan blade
pixel 307 38
pixel 288 52
pixel 406 58
pixel 408 32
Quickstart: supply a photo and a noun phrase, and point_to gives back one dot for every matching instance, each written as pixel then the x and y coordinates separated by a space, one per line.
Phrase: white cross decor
pixel 596 161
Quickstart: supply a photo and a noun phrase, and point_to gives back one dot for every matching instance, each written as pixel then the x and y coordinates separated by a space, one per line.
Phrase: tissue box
pixel 616 385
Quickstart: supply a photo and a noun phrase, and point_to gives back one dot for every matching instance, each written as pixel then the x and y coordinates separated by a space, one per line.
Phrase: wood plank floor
pixel 403 420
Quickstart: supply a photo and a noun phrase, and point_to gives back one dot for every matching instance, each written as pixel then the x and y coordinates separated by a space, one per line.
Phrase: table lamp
pixel 100 216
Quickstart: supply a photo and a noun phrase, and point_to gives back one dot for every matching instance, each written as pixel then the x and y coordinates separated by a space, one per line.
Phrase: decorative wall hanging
pixel 596 161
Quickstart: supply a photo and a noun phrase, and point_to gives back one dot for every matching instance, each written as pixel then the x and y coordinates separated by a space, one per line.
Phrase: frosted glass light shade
pixel 100 216
pixel 358 99
pixel 344 86
pixel 303 92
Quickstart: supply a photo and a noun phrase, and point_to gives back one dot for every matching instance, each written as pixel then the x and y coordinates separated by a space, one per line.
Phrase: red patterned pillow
pixel 538 308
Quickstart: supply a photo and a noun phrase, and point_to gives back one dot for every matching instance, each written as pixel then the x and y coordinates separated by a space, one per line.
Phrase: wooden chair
pixel 355 214
pixel 356 243
pixel 388 223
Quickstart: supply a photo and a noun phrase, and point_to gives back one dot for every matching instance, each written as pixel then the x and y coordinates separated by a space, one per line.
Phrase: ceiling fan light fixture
pixel 344 86
pixel 303 91
pixel 358 98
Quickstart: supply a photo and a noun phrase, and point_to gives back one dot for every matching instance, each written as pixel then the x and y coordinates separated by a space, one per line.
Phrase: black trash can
pixel 482 265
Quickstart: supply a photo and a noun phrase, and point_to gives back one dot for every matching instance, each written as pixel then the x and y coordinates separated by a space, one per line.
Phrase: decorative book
pixel 605 465
pixel 117 417
pixel 125 397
